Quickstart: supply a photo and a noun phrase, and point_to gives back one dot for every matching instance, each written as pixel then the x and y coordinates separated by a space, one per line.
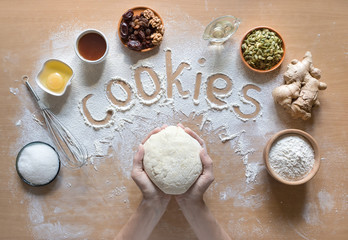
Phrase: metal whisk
pixel 72 153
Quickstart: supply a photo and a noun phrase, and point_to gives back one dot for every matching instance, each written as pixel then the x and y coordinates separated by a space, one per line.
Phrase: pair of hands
pixel 155 202
pixel 152 193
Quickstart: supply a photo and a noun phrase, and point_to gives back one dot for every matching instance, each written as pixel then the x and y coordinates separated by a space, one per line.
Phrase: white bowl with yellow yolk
pixel 54 77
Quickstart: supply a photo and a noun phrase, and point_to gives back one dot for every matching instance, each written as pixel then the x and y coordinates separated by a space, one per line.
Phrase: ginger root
pixel 300 92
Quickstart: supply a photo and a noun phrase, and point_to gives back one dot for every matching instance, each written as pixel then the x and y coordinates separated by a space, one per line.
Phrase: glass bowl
pixel 221 29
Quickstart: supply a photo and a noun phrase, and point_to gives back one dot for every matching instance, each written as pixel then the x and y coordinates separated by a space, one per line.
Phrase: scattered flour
pixel 52 229
pixel 311 214
pixel 326 202
pixel 244 196
pixel 298 232
pixel 117 192
pixel 124 126
pixel 19 123
pixel 252 169
pixel 14 91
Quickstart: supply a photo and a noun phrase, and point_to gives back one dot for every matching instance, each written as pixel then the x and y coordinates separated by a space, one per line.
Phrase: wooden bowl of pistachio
pixel 262 49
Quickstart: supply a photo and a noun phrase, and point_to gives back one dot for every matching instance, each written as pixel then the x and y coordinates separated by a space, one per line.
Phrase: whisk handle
pixel 31 90
pixel 33 93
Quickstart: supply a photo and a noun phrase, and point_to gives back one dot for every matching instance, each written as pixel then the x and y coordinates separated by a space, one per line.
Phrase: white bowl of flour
pixel 292 157
pixel 37 164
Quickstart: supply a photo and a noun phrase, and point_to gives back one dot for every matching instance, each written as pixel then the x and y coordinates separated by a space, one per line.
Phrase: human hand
pixel 152 207
pixel 149 190
pixel 196 212
pixel 195 193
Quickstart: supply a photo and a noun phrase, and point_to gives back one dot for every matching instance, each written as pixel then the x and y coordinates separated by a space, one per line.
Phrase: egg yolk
pixel 55 81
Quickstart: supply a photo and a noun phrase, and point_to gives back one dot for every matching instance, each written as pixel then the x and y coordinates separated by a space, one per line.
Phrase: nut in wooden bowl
pixel 262 49
pixel 292 157
pixel 141 29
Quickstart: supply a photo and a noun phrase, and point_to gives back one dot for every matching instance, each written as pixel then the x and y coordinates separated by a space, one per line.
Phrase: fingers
pixel 203 182
pixel 138 174
pixel 138 159
pixel 207 176
pixel 195 136
pixel 207 163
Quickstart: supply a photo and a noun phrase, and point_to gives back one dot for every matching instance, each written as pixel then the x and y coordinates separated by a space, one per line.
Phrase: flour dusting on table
pixel 124 113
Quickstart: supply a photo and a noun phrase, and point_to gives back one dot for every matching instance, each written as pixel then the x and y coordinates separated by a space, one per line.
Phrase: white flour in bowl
pixel 291 157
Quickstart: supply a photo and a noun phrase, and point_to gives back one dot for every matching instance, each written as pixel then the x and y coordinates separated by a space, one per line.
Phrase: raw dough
pixel 172 160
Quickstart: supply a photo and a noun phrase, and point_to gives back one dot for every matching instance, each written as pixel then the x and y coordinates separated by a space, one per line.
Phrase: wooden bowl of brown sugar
pixel 141 39
pixel 292 157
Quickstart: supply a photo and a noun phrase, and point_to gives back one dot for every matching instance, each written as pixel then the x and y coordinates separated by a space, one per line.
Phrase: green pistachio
pixel 262 49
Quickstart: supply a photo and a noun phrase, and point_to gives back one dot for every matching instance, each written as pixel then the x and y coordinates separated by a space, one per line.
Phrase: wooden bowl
pixel 137 10
pixel 258 70
pixel 314 145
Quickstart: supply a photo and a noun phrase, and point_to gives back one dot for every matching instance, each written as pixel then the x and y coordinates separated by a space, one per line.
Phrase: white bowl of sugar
pixel 38 164
pixel 292 157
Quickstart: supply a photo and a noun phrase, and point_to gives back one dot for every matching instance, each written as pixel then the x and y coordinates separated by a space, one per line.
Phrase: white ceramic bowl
pixel 43 87
pixel 77 49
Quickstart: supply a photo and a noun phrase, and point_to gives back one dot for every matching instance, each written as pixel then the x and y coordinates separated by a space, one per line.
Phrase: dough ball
pixel 172 160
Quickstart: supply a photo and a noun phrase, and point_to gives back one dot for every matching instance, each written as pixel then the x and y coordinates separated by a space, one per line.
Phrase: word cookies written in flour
pixel 165 88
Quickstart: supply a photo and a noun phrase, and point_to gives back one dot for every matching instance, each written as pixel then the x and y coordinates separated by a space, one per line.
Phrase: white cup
pixel 77 46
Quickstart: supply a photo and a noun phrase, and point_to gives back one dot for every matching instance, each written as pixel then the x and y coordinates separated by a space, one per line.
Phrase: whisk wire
pixel 64 139
pixel 74 154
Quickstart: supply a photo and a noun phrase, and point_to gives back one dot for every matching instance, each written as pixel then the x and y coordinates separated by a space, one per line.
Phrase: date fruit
pixel 124 30
pixel 128 16
pixel 134 45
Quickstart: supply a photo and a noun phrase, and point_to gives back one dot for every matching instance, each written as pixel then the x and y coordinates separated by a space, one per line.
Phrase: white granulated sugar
pixel 118 138
pixel 291 157
pixel 38 163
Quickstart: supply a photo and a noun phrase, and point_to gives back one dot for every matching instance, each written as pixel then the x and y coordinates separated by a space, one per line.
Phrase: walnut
pixel 148 14
pixel 136 24
pixel 155 22
pixel 156 38
pixel 160 29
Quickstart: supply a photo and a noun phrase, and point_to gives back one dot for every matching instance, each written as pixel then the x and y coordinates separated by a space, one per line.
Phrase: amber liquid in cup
pixel 92 46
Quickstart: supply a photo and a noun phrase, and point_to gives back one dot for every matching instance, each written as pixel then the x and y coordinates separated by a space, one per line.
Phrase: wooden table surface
pixel 316 210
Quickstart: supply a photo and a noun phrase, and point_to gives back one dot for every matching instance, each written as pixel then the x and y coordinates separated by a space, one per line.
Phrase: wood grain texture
pixel 319 26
